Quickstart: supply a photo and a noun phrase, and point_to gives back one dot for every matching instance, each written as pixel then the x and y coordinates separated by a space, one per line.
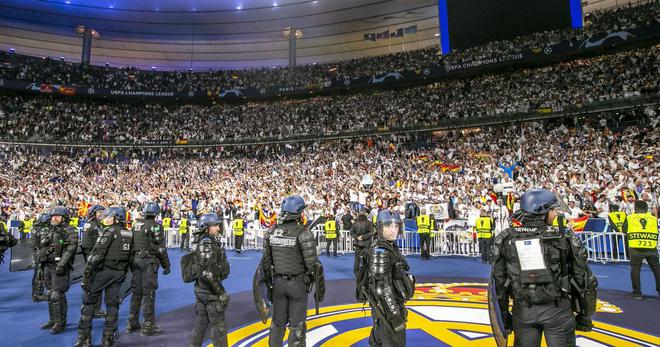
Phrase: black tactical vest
pixel 287 257
pixel 120 244
pixel 144 233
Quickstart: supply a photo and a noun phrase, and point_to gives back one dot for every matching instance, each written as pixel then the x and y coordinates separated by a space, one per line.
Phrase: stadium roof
pixel 203 34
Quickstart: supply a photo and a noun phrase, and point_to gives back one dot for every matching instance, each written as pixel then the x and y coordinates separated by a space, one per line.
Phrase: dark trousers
pixel 636 258
pixel 108 281
pixel 57 287
pixel 484 247
pixel 382 337
pixel 238 242
pixel 332 242
pixel 554 320
pixel 289 306
pixel 209 314
pixel 425 245
pixel 185 241
pixel 143 285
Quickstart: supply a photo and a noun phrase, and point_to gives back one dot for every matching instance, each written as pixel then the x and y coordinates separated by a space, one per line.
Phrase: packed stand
pixel 589 165
pixel 579 82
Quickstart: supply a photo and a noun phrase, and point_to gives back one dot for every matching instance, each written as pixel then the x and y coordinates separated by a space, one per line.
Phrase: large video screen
pixel 475 22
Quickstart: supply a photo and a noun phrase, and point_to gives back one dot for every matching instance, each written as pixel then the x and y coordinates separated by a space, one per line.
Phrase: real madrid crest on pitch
pixel 440 314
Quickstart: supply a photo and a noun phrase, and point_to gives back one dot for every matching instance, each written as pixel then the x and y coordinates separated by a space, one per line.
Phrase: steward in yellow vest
pixel 641 229
pixel 167 223
pixel 424 230
pixel 239 226
pixel 185 235
pixel 485 226
pixel 330 228
pixel 616 218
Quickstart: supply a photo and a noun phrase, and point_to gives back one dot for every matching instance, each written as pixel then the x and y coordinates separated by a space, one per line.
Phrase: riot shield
pixel 21 256
pixel 500 334
pixel 260 293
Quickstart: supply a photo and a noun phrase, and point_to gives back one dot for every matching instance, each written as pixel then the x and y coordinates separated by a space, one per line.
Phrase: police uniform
pixel 485 227
pixel 57 252
pixel 238 230
pixel 290 255
pixel 388 286
pixel 424 229
pixel 641 231
pixel 184 231
pixel 149 253
pixel 39 231
pixel 211 300
pixel 535 265
pixel 104 272
pixel 330 228
pixel 361 227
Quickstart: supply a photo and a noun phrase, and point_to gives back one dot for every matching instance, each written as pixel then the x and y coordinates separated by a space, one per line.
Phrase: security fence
pixel 457 240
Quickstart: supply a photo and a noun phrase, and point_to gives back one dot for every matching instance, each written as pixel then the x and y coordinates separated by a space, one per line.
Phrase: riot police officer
pixel 56 255
pixel 104 272
pixel 39 231
pixel 148 252
pixel 362 232
pixel 94 216
pixel 291 260
pixel 388 284
pixel 544 270
pixel 211 300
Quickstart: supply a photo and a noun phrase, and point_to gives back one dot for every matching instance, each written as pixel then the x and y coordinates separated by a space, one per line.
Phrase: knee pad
pixel 55 296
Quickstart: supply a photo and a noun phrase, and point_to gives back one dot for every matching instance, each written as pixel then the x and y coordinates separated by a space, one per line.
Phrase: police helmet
pixel 292 207
pixel 538 201
pixel 116 211
pixel 91 213
pixel 43 219
pixel 60 211
pixel 151 209
pixel 206 221
pixel 388 218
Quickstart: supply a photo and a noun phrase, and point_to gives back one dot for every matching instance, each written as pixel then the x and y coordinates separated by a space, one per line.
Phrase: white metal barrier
pixel 604 247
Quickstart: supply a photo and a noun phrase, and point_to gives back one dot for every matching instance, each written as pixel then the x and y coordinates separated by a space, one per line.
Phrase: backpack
pixel 190 268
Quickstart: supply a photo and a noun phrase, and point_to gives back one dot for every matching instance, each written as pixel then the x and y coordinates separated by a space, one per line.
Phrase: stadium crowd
pixel 591 165
pixel 554 87
pixel 52 70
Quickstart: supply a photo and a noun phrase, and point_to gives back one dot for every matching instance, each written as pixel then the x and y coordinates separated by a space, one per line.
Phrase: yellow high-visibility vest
pixel 73 222
pixel 432 227
pixel 484 227
pixel 330 229
pixel 167 223
pixel 423 224
pixel 238 227
pixel 642 231
pixel 183 226
pixel 27 225
pixel 617 219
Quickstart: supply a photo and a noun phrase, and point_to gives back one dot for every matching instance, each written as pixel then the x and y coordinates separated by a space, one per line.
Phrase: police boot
pixel 297 335
pixel 50 322
pixel 134 315
pixel 84 340
pixel 59 310
pixel 109 338
pixel 150 328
